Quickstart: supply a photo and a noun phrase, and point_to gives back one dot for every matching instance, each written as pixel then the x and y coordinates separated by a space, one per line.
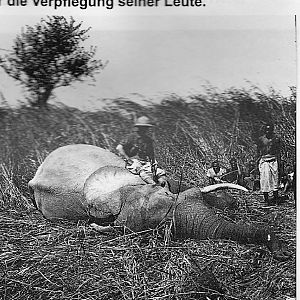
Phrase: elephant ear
pixel 102 190
pixel 191 195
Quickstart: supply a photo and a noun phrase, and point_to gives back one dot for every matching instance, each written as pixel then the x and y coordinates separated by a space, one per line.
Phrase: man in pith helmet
pixel 138 152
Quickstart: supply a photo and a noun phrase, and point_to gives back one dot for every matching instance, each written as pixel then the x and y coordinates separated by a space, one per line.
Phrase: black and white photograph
pixel 148 149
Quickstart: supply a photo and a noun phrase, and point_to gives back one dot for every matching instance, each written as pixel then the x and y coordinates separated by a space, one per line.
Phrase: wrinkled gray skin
pixel 88 182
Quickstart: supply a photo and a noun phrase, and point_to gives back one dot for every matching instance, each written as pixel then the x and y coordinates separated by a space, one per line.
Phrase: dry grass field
pixel 66 260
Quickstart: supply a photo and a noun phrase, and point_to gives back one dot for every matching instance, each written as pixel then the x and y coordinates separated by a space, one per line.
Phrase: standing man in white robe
pixel 268 147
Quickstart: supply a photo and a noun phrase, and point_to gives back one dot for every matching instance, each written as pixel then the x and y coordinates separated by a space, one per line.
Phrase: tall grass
pixel 42 260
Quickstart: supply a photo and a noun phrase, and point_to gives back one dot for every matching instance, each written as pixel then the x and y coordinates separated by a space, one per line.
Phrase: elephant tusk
pixel 219 186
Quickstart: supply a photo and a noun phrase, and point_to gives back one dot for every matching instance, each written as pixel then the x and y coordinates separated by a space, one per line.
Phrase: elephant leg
pixel 107 224
pixel 101 229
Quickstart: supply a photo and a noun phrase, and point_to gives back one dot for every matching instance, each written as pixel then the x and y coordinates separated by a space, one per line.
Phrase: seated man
pixel 287 179
pixel 138 152
pixel 215 173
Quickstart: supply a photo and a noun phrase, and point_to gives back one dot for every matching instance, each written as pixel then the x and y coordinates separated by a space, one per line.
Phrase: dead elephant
pixel 88 182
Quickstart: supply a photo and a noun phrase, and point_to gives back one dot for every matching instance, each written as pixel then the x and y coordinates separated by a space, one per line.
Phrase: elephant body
pixel 59 181
pixel 88 182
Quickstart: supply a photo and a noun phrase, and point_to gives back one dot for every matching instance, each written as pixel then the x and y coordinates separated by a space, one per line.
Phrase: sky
pixel 151 54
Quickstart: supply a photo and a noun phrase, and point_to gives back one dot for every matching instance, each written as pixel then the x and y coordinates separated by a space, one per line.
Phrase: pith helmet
pixel 143 121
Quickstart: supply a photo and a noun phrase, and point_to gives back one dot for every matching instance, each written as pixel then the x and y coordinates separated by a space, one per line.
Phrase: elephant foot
pixel 101 229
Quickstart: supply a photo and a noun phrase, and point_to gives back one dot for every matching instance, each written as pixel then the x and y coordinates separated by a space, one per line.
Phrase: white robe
pixel 268 168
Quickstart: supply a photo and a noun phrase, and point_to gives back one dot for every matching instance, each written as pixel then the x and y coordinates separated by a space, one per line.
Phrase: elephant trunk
pixel 194 220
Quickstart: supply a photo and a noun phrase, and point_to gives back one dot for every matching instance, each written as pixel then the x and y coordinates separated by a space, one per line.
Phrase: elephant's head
pixel 127 199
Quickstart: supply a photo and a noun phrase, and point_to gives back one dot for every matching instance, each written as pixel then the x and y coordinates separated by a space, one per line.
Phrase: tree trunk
pixel 43 96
